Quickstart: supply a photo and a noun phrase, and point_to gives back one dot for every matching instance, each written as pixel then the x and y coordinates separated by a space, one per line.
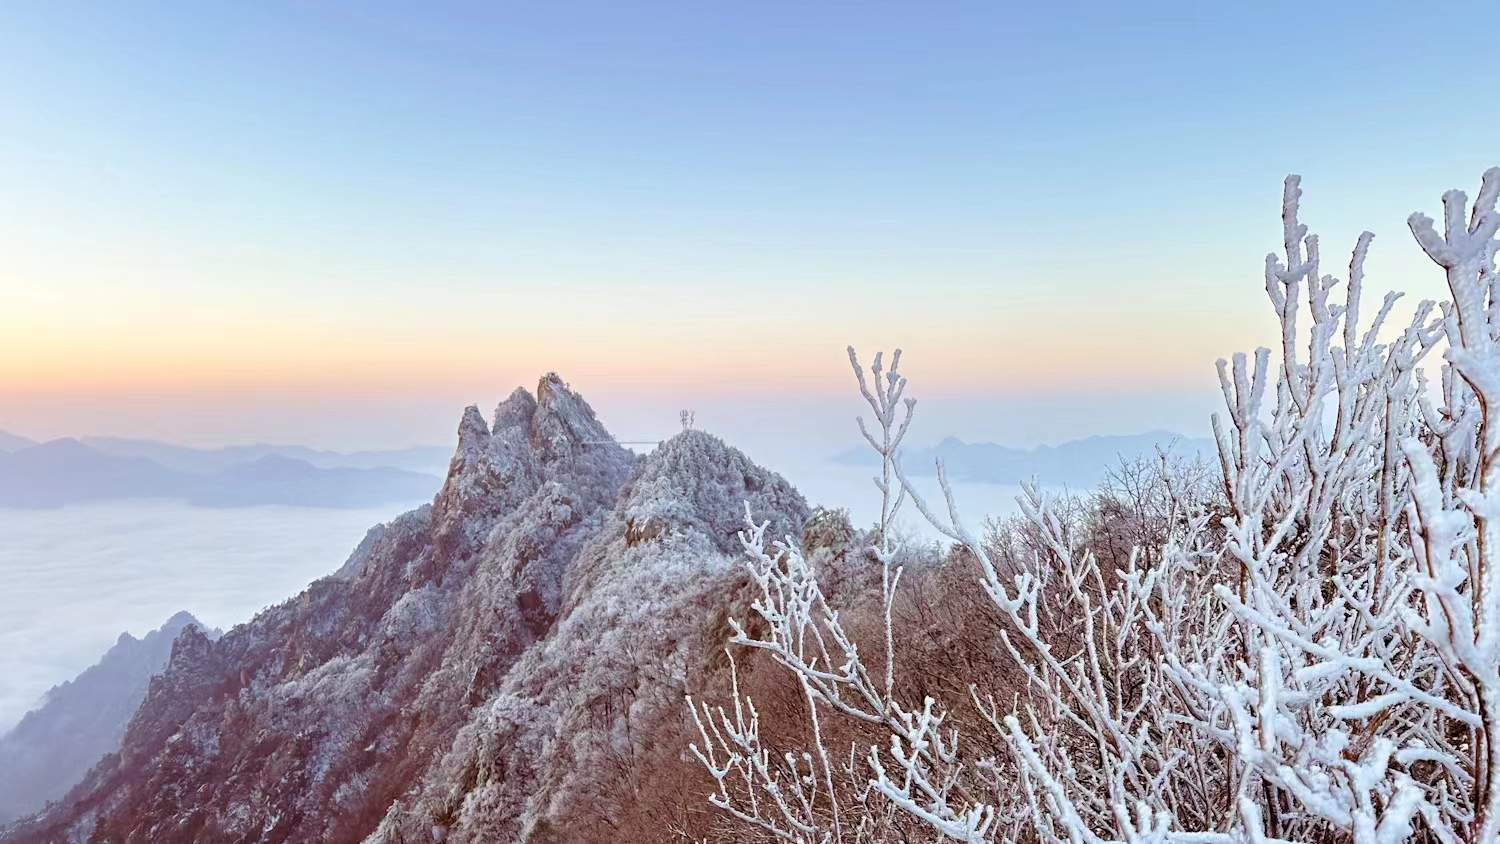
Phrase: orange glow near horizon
pixel 37 359
pixel 305 367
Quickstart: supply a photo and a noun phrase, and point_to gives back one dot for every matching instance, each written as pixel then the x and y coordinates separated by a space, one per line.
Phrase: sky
pixel 337 223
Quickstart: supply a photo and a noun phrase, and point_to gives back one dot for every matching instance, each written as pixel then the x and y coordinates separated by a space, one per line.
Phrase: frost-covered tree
pixel 1310 652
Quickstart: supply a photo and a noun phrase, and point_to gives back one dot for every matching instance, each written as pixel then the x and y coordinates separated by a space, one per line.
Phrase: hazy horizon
pixel 337 225
pixel 822 424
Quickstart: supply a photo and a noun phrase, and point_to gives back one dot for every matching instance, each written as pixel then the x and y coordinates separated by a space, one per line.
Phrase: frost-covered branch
pixel 1311 652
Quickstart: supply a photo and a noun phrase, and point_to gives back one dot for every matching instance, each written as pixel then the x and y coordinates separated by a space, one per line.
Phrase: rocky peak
pixel 515 412
pixel 565 424
pixel 473 439
pixel 486 476
pixel 80 721
pixel 178 621
pixel 191 648
pixel 642 605
pixel 421 692
pixel 696 480
pixel 534 440
pixel 193 674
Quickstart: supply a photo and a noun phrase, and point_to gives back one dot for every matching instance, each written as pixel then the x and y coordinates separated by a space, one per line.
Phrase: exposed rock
pixel 471 673
pixel 81 720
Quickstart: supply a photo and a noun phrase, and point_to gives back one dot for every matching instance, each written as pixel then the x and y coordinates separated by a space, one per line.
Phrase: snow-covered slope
pixel 80 721
pixel 638 605
pixel 471 672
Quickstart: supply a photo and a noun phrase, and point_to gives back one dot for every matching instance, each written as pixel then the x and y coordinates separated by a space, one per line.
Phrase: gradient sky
pixel 338 222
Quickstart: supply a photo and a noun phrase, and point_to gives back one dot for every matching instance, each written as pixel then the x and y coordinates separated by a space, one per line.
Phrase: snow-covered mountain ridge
pixel 475 672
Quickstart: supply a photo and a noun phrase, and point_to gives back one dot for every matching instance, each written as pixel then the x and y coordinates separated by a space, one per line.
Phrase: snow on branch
pixel 1308 650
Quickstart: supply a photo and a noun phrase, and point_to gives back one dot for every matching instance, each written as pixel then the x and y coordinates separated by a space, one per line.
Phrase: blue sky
pixel 315 219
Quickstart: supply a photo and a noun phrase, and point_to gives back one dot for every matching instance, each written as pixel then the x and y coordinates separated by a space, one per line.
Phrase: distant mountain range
pixel 81 720
pixel 11 442
pixel 428 460
pixel 66 471
pixel 505 664
pixel 1075 463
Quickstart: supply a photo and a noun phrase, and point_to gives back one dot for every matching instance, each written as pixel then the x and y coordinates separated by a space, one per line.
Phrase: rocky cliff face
pixel 80 721
pixel 475 672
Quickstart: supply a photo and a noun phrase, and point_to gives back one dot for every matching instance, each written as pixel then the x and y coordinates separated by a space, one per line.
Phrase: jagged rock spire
pixel 515 412
pixel 533 439
pixel 567 424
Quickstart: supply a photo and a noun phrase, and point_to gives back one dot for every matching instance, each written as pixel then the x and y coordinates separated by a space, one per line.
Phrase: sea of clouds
pixel 73 579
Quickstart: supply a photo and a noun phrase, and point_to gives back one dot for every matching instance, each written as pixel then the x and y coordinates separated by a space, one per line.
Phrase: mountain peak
pixel 696 479
pixel 549 385
pixel 421 689
pixel 534 440
pixel 471 426
pixel 179 620
pixel 516 411
pixel 81 720
pixel 565 423
pixel 191 647
pixel 13 442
